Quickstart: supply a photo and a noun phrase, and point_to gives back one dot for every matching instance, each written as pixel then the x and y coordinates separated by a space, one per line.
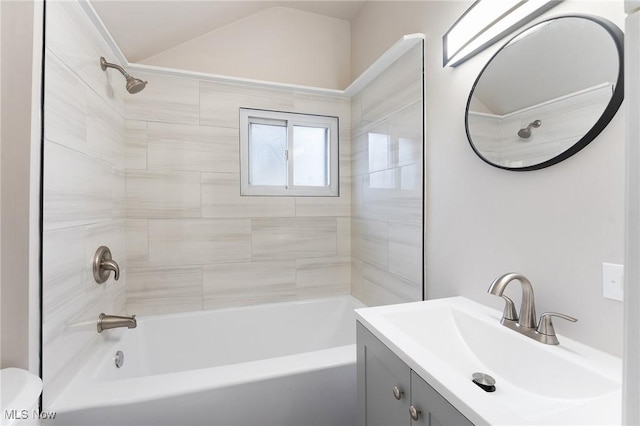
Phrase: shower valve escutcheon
pixel 103 265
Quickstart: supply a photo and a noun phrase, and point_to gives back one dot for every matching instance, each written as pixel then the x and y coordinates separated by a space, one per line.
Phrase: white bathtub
pixel 284 364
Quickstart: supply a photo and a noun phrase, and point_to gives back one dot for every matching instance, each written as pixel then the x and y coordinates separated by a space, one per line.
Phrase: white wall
pixel 17 49
pixel 555 225
pixel 278 44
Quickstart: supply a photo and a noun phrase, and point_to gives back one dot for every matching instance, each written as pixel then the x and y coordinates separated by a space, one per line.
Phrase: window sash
pixel 330 124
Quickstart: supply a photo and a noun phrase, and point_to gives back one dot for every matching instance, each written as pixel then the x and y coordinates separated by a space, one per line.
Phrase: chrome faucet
pixel 525 323
pixel 106 322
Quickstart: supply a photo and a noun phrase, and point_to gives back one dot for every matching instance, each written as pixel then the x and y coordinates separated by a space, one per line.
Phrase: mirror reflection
pixel 547 93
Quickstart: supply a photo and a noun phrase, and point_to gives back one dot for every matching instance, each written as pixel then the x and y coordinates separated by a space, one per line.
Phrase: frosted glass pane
pixel 267 162
pixel 310 156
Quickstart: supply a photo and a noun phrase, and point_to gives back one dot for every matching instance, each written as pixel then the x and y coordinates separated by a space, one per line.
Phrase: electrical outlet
pixel 613 281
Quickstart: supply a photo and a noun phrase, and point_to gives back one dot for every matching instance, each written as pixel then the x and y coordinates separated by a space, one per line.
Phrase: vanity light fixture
pixel 485 22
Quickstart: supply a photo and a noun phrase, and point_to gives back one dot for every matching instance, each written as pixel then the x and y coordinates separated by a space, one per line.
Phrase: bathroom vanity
pixel 391 393
pixel 416 362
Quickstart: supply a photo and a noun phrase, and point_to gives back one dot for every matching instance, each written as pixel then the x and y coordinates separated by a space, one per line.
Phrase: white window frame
pixel 248 116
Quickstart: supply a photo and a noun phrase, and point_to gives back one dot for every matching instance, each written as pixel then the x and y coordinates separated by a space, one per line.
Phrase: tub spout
pixel 106 322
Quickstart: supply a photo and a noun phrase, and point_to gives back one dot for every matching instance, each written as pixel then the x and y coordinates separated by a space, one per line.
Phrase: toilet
pixel 19 394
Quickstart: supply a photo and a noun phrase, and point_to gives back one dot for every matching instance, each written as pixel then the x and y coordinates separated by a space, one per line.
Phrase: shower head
pixel 134 85
pixel 526 132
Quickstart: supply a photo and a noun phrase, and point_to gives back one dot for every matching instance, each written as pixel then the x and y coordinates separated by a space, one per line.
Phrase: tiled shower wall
pixel 193 242
pixel 84 192
pixel 155 176
pixel 387 199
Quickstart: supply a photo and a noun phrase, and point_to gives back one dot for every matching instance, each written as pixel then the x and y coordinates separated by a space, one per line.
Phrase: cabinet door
pixel 433 409
pixel 379 372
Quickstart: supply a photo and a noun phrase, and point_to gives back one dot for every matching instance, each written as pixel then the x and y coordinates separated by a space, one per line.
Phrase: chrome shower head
pixel 134 85
pixel 526 132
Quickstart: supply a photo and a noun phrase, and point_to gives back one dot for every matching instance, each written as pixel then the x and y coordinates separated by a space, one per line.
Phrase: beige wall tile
pixel 162 290
pixel 220 103
pixel 249 283
pixel 381 287
pixel 405 251
pixel 327 206
pixel 72 300
pixel 137 238
pixel 192 147
pixel 163 194
pixel 136 145
pixel 105 132
pixel 166 99
pixel 321 277
pixel 199 241
pixel 221 198
pixel 357 285
pixel 344 236
pixel 66 105
pixel 321 104
pixel 78 189
pixel 370 241
pixel 72 37
pixel 84 192
pixel 293 238
pixel 64 274
pixel 400 85
pixel 394 194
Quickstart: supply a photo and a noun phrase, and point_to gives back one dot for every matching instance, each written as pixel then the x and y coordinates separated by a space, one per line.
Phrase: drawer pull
pixel 397 393
pixel 415 413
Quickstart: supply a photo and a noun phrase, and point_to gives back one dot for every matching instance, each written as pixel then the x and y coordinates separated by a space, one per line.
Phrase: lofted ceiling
pixel 143 28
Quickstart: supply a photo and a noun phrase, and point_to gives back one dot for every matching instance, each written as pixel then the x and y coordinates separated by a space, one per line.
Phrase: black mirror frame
pixel 607 115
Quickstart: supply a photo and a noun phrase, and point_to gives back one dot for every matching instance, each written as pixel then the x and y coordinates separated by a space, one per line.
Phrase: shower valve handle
pixel 103 265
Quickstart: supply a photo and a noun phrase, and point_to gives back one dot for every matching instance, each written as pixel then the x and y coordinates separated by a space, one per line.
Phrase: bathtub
pixel 282 364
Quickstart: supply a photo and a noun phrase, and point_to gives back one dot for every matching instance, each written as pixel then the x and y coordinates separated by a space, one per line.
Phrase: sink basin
pixel 447 340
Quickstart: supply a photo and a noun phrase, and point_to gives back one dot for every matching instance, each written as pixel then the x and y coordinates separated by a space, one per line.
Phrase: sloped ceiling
pixel 143 28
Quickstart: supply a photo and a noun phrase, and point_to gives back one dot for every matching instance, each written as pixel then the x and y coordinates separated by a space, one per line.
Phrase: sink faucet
pixel 527 307
pixel 525 323
pixel 106 322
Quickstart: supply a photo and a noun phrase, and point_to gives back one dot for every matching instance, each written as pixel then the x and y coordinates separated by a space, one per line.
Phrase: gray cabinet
pixel 391 394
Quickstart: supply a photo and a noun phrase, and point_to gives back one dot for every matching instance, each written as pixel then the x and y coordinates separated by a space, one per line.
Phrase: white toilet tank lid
pixel 19 389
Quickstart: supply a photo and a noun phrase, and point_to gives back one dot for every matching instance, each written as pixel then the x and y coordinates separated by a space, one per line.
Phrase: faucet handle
pixel 103 264
pixel 509 312
pixel 545 326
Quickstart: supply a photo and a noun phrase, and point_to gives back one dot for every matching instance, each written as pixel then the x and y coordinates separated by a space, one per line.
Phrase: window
pixel 284 153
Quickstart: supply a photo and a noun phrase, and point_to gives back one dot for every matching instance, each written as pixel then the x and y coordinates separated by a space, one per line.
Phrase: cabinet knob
pixel 415 413
pixel 397 393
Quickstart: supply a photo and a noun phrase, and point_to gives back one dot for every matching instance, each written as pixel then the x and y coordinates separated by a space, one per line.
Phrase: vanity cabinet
pixel 391 394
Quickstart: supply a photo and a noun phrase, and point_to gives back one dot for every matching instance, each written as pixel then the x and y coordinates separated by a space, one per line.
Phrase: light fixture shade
pixel 486 22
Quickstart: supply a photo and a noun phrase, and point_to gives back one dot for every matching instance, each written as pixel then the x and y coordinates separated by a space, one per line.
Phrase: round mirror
pixel 547 93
